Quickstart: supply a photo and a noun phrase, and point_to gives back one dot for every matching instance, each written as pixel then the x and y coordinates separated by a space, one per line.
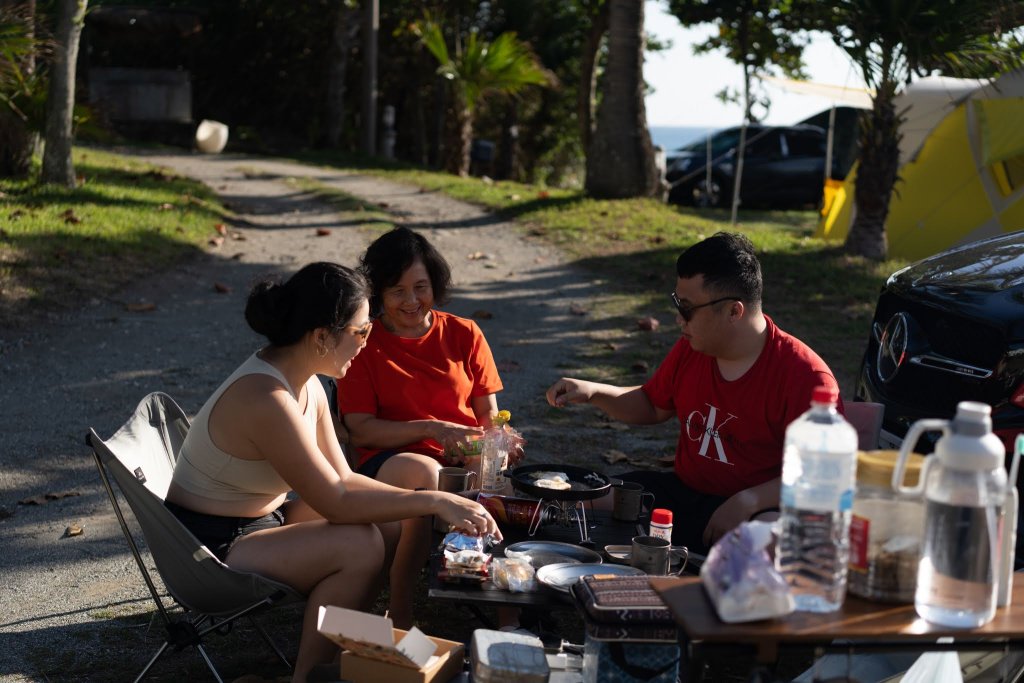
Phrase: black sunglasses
pixel 686 312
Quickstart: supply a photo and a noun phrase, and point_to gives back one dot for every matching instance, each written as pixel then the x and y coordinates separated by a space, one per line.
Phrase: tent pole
pixel 828 142
pixel 739 171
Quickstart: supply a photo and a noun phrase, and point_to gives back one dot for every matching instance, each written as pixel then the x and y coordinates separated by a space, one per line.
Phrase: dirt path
pixel 62 599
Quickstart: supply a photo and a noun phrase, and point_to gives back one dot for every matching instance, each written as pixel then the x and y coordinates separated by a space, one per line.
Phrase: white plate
pixel 543 553
pixel 561 576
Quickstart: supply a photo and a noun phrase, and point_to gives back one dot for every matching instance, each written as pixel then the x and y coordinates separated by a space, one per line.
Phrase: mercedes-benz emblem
pixel 892 347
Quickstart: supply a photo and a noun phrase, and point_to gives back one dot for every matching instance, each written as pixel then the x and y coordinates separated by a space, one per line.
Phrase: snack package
pixel 741 578
pixel 455 541
pixel 514 574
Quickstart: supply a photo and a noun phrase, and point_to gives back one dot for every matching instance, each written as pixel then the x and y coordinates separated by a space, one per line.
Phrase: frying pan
pixel 586 484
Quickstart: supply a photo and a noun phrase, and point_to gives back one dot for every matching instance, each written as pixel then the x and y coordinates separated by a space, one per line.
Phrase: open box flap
pixel 372 636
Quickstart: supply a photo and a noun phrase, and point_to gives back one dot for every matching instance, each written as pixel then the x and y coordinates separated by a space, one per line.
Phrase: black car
pixel 782 166
pixel 946 329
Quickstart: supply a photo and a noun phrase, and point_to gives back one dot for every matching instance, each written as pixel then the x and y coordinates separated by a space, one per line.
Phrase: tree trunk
pixel 60 98
pixel 346 28
pixel 457 152
pixel 876 176
pixel 509 152
pixel 371 27
pixel 588 72
pixel 620 161
pixel 15 145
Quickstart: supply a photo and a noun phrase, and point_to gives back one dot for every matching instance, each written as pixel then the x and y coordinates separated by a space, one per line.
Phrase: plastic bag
pixel 514 574
pixel 741 578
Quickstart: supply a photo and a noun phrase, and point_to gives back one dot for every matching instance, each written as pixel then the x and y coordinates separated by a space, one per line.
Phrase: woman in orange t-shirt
pixel 424 383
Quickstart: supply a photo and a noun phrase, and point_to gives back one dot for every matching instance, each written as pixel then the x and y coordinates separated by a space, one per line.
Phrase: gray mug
pixel 628 501
pixel 653 555
pixel 452 480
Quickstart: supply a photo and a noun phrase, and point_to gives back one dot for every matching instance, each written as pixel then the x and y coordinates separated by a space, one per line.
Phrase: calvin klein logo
pixel 708 430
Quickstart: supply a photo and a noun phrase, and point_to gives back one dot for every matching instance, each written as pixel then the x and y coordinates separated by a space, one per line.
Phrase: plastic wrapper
pixel 741 578
pixel 456 541
pixel 514 574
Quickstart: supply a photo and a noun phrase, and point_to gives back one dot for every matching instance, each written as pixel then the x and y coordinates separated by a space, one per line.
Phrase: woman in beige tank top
pixel 267 431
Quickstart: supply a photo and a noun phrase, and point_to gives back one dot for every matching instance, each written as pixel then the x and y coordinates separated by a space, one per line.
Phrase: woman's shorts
pixel 219 533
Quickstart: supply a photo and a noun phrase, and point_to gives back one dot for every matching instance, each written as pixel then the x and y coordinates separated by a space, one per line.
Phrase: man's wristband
pixel 774 508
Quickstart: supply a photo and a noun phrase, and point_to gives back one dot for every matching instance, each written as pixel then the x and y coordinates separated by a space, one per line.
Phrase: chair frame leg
pixel 270 642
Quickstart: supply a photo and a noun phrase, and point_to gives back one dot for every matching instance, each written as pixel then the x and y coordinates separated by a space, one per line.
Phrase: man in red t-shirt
pixel 734 380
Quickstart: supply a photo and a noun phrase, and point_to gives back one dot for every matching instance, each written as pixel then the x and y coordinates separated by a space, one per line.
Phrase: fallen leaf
pixel 239 237
pixel 648 324
pixel 237 256
pixel 640 366
pixel 477 256
pixel 80 180
pixel 513 197
pixel 613 456
pixel 611 346
pixel 323 232
pixel 486 180
pixel 73 530
pixel 667 460
pixel 658 239
pixel 16 214
pixel 383 205
pixel 166 206
pixel 221 228
pixel 216 241
pixel 507 365
pixel 62 494
pixel 481 314
pixel 221 288
pixel 34 500
pixel 70 217
pixel 490 265
pixel 577 309
pixel 543 194
pixel 141 307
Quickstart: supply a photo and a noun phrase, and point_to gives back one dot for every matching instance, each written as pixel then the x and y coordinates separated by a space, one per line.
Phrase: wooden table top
pixel 858 619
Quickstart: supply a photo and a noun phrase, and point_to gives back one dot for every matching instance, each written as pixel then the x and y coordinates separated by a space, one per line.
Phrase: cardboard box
pixel 376 651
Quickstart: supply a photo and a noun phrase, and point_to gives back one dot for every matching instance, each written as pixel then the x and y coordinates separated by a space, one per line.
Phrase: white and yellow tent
pixel 961 174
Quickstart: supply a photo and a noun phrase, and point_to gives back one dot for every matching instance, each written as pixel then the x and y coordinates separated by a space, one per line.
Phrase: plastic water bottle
pixel 818 478
pixel 965 487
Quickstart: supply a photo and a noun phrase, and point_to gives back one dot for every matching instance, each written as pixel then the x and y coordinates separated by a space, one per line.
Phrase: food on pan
pixel 557 484
pixel 550 475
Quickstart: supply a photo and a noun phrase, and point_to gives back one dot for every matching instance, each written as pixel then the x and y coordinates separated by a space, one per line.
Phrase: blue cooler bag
pixel 630 634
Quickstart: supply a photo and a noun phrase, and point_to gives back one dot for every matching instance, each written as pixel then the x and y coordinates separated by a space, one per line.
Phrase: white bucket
pixel 211 136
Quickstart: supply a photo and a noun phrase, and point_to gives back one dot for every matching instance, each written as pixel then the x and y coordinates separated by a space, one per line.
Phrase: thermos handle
pixel 916 430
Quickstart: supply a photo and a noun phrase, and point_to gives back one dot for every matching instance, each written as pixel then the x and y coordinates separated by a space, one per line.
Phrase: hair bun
pixel 265 308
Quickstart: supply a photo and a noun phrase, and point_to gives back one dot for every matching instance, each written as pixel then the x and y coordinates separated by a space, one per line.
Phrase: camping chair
pixel 866 418
pixel 140 458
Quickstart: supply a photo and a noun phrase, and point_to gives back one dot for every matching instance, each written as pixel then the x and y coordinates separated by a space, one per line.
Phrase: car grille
pixel 948 359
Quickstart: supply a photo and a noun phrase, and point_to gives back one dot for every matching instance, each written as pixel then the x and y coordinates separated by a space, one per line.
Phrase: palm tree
pixel 17 83
pixel 620 160
pixel 891 41
pixel 476 70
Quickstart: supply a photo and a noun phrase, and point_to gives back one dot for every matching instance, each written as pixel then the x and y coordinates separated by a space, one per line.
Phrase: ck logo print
pixel 707 429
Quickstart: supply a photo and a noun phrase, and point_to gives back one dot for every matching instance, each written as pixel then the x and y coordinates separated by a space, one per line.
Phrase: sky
pixel 685 84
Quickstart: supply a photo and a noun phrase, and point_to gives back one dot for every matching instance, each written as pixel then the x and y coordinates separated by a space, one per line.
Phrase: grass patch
pixel 812 288
pixel 60 248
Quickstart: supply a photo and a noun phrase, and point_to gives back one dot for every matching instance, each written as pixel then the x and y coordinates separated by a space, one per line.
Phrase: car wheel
pixel 713 195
